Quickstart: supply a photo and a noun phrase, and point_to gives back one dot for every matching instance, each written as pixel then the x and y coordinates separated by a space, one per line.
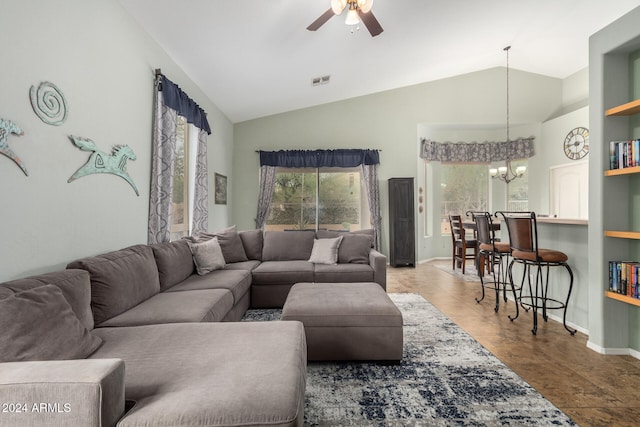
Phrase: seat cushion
pixel 544 255
pixel 245 265
pixel 282 272
pixel 120 280
pixel 236 281
pixel 209 305
pixel 343 273
pixel 211 374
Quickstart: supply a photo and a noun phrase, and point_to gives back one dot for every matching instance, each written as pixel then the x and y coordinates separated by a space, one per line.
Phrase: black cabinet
pixel 402 235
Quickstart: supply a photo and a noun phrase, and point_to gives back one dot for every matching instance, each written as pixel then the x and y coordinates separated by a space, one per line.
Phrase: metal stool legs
pixel 538 298
pixel 499 274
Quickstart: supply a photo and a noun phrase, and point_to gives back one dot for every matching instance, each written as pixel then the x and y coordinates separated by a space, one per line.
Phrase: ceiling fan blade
pixel 370 22
pixel 321 20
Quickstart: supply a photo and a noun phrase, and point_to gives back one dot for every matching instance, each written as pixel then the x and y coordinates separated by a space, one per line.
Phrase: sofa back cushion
pixel 252 241
pixel 39 324
pixel 74 284
pixel 174 262
pixel 287 245
pixel 355 245
pixel 230 243
pixel 120 280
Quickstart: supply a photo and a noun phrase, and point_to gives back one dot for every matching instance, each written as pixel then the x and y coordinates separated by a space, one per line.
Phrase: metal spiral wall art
pixel 48 103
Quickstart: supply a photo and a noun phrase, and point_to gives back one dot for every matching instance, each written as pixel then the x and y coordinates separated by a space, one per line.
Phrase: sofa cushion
pixel 287 245
pixel 230 242
pixel 174 261
pixel 252 242
pixel 74 284
pixel 343 273
pixel 39 324
pixel 325 234
pixel 238 373
pixel 325 251
pixel 120 280
pixel 210 305
pixel 245 265
pixel 354 247
pixel 207 256
pixel 282 272
pixel 236 281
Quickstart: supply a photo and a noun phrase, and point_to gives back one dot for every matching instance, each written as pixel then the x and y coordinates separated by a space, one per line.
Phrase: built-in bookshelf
pixel 617 169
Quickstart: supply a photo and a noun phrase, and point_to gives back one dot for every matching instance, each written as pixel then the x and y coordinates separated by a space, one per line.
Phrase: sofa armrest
pixel 63 392
pixel 379 263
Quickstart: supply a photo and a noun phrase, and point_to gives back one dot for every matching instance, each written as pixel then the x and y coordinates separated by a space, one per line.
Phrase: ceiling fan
pixel 358 10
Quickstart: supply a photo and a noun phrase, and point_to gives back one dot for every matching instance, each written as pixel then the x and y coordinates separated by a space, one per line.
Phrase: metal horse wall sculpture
pixel 7 127
pixel 101 162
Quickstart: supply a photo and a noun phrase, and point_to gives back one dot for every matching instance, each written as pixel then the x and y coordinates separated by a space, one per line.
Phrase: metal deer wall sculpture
pixel 101 162
pixel 7 127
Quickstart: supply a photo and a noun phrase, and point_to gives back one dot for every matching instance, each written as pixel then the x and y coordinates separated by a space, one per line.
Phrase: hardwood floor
pixel 593 389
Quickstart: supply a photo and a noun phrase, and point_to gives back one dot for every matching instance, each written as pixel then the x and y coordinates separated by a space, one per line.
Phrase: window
pixel 518 189
pixel 327 198
pixel 180 196
pixel 465 187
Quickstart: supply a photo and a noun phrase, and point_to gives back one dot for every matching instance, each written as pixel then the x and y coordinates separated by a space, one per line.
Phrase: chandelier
pixel 506 173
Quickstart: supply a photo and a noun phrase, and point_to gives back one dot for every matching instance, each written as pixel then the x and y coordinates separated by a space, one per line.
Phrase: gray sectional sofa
pixel 154 343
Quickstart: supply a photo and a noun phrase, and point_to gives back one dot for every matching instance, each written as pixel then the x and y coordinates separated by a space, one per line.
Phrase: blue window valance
pixel 176 99
pixel 341 158
pixel 476 152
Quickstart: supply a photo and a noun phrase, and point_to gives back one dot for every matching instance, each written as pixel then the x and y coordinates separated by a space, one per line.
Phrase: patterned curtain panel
pixel 370 175
pixel 163 156
pixel 476 152
pixel 267 184
pixel 201 196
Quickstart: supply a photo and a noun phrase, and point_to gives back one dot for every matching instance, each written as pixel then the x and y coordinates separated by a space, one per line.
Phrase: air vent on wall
pixel 317 81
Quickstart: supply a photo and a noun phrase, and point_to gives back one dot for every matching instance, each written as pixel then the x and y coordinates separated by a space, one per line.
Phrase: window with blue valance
pixel 341 158
pixel 186 107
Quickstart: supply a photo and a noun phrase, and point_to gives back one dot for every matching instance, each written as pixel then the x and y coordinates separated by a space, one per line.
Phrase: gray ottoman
pixel 346 321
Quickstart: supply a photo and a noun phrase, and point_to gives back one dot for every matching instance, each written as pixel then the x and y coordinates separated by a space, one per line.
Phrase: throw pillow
pixel 230 242
pixel 325 251
pixel 207 256
pixel 39 324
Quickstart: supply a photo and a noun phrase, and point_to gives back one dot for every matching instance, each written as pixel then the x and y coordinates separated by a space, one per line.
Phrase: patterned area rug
pixel 446 378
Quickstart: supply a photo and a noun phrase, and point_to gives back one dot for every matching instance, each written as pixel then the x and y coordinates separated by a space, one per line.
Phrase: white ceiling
pixel 255 58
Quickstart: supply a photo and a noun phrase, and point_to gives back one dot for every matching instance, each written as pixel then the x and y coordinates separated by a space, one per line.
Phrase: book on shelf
pixel 624 278
pixel 624 154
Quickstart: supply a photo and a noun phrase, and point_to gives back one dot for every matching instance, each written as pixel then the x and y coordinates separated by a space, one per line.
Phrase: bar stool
pixel 493 253
pixel 523 238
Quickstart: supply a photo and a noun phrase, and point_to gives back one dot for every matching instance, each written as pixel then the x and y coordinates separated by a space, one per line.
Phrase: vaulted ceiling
pixel 255 58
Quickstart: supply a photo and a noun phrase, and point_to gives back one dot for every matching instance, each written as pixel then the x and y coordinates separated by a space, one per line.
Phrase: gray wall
pixel 103 62
pixel 388 121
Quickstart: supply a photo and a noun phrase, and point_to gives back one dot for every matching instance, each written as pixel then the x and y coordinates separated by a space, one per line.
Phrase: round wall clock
pixel 576 143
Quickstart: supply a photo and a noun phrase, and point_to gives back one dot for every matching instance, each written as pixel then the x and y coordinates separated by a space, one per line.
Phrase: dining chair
pixel 461 245
pixel 536 262
pixel 492 254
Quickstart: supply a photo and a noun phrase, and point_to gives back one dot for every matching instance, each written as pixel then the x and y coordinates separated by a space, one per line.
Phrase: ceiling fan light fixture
pixel 338 6
pixel 352 17
pixel 365 5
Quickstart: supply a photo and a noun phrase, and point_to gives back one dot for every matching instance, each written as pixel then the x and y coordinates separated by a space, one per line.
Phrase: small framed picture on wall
pixel 221 189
